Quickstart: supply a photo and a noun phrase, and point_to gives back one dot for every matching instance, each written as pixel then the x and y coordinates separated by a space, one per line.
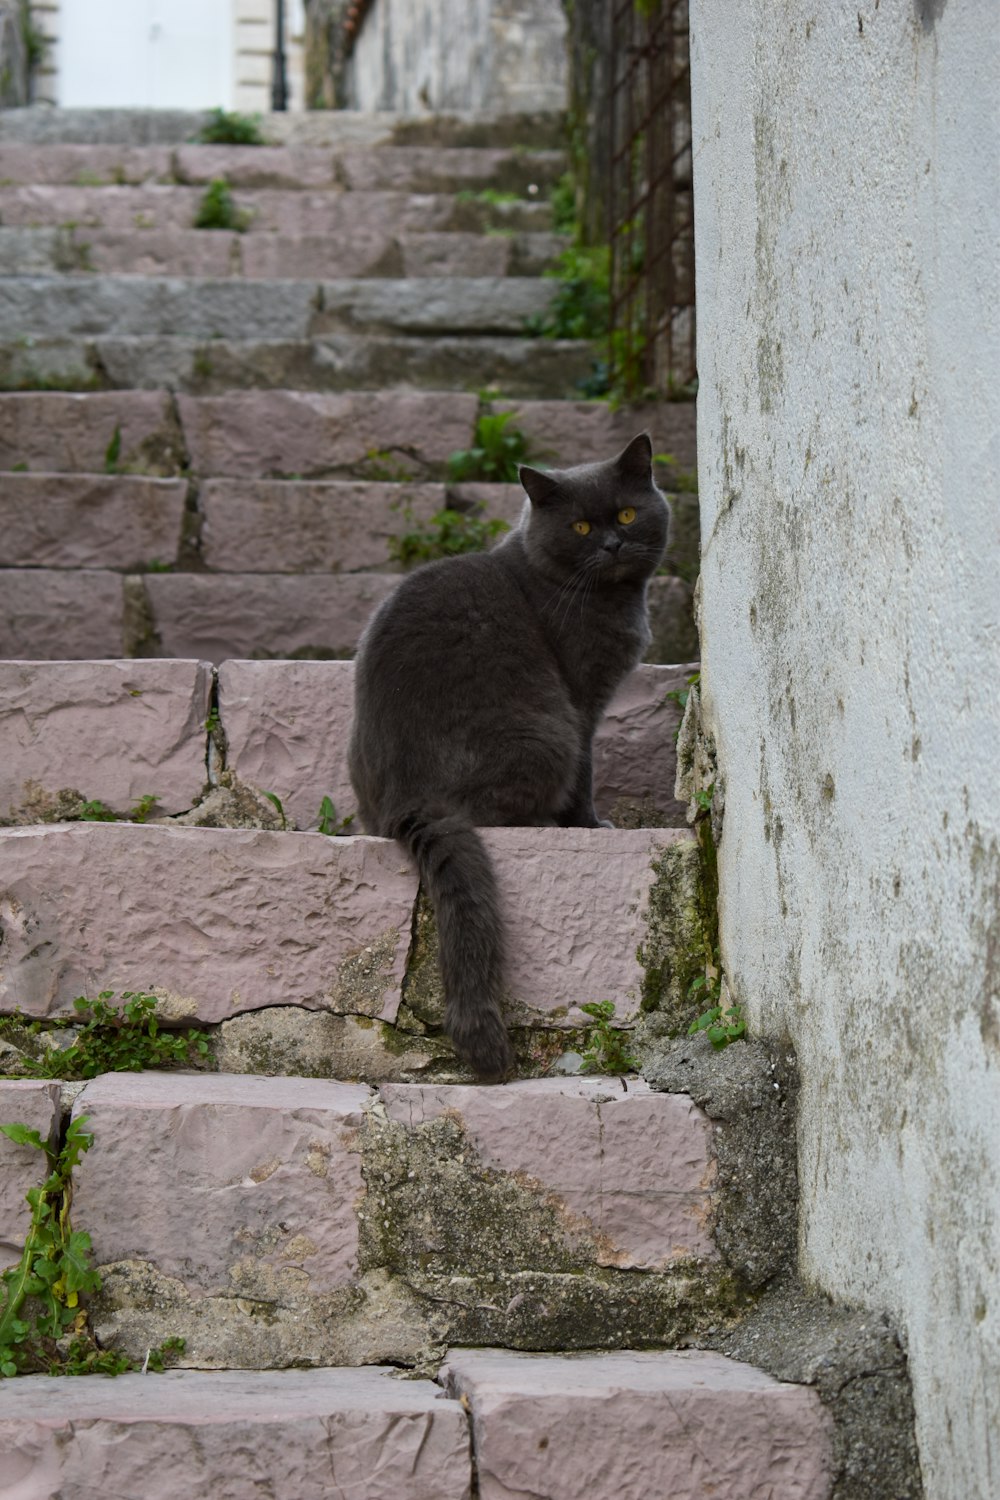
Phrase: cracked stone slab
pixel 288 724
pixel 52 613
pixel 220 615
pixel 64 432
pixel 35 1104
pixel 113 730
pixel 235 1185
pixel 309 434
pixel 214 921
pixel 685 1424
pixel 90 520
pixel 291 1434
pixel 633 1169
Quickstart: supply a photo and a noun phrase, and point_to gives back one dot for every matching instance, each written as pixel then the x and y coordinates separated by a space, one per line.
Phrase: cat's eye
pixel 626 516
pixel 581 527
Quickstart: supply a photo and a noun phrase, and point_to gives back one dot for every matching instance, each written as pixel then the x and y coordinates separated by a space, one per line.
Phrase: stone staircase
pixel 390 1281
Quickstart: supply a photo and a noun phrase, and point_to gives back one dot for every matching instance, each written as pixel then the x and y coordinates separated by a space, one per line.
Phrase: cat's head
pixel 604 523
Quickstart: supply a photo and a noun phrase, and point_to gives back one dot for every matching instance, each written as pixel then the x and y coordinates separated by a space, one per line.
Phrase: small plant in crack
pixel 43 1324
pixel 605 1049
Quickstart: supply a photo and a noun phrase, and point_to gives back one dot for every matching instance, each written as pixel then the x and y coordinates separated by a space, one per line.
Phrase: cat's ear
pixel 538 487
pixel 637 458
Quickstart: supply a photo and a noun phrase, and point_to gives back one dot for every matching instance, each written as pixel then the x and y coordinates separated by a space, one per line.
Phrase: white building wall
pixel 848 217
pixel 244 82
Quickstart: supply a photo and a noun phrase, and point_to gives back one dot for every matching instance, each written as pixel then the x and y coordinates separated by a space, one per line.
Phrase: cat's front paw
pixel 603 823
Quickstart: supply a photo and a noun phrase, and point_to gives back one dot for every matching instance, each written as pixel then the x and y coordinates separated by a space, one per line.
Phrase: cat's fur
pixel 478 686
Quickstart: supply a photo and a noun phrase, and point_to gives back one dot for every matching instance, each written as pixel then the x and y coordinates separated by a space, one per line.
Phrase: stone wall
pixel 503 56
pixel 846 190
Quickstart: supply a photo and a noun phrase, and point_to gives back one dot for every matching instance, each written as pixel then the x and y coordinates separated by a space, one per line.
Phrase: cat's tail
pixel 458 876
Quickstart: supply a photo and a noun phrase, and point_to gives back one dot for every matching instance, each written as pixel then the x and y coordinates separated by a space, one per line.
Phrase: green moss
pixel 682 932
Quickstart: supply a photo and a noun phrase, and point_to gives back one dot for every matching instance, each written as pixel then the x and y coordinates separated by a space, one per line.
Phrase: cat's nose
pixel 611 545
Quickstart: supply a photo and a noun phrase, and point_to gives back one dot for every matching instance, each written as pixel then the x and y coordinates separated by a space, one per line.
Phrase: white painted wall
pixel 178 54
pixel 847 193
pixel 439 55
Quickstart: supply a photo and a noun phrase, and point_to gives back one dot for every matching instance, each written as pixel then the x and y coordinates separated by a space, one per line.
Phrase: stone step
pixel 601 1426
pixel 526 367
pixel 222 920
pixel 272 1221
pixel 132 524
pixel 55 613
pixel 335 128
pixel 685 1425
pixel 117 731
pixel 227 308
pixel 411 169
pixel 293 212
pixel 290 1435
pixel 285 434
pixel 193 252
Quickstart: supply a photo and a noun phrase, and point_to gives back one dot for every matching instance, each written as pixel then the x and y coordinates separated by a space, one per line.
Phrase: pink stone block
pixel 635 755
pixel 218 615
pixel 289 167
pixel 310 434
pixel 334 526
pixel 148 206
pixel 213 1178
pixel 570 941
pixel 89 520
pixel 287 725
pixel 632 1169
pixel 564 433
pixel 266 256
pixel 325 1434
pixel 67 432
pixel 217 921
pixel 46 614
pixel 629 1426
pixel 163 252
pixel 35 1104
pixel 64 162
pixel 115 730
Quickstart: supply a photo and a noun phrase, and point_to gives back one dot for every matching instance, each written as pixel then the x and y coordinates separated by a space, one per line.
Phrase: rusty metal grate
pixel 650 201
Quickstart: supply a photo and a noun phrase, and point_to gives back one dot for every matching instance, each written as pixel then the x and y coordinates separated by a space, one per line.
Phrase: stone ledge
pixel 601 1425
pixel 290 1434
pixel 37 1105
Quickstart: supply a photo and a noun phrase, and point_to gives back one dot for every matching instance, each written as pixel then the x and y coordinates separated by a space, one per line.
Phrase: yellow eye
pixel 626 516
pixel 581 527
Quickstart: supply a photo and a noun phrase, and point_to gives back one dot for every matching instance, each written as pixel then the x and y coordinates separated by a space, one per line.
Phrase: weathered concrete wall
pixel 501 55
pixel 847 210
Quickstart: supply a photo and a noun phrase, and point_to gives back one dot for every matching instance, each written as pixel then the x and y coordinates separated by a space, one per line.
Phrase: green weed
pixel 449 533
pixel 605 1049
pixel 275 801
pixel 40 1306
pixel 217 209
pixel 499 446
pixel 110 1039
pixel 112 452
pixel 722 1027
pixel 581 306
pixel 229 128
pixel 329 823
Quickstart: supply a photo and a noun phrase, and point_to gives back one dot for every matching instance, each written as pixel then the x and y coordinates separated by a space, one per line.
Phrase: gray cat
pixel 478 686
